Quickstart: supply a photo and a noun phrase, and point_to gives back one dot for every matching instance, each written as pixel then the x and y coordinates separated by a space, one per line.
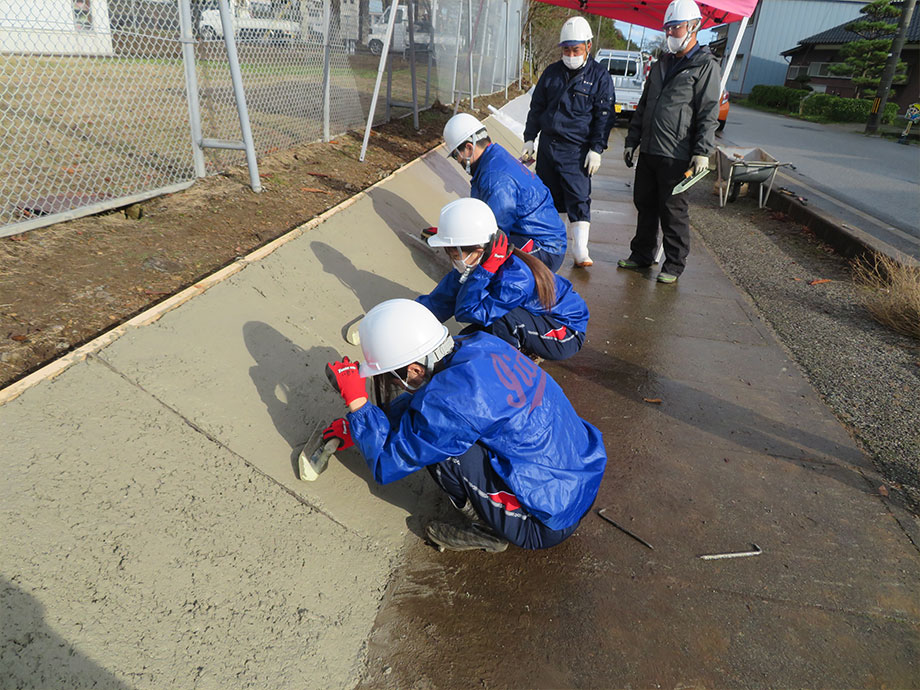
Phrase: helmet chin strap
pixel 431 359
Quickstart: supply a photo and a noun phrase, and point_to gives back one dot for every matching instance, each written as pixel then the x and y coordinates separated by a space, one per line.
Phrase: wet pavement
pixel 715 442
pixel 155 534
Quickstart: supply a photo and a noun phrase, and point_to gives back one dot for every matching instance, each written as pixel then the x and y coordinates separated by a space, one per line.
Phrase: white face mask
pixel 463 268
pixel 573 61
pixel 675 44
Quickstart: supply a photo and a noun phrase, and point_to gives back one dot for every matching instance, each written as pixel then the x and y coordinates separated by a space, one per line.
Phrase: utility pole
pixel 884 87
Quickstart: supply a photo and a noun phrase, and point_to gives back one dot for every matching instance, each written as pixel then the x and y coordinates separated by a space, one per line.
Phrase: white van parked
pixel 627 69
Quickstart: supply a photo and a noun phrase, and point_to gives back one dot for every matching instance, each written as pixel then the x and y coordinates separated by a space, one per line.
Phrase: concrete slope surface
pixel 154 533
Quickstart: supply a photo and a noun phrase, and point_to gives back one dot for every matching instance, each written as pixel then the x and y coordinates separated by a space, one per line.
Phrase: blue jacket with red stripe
pixel 485 297
pixel 487 392
pixel 522 204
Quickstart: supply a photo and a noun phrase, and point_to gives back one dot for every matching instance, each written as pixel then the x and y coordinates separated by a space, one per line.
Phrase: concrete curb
pixel 847 240
pixel 149 316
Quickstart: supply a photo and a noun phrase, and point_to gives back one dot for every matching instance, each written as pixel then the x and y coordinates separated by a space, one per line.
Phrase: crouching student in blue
pixel 495 431
pixel 502 290
pixel 522 204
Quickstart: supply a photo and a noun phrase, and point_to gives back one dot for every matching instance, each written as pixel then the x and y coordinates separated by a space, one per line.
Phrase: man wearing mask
pixel 674 129
pixel 571 108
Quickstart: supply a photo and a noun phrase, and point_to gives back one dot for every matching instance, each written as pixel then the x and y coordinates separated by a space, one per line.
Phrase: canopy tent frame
pixel 650 14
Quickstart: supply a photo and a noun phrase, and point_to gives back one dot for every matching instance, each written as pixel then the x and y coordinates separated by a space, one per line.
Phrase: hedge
pixel 777 96
pixel 824 105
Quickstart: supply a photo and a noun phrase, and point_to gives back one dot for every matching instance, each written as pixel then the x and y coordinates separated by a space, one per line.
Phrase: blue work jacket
pixel 574 109
pixel 487 392
pixel 485 296
pixel 522 204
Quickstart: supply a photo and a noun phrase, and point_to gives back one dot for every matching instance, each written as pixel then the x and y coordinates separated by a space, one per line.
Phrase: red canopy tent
pixel 650 14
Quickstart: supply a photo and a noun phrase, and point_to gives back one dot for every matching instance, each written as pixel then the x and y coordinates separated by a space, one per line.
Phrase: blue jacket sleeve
pixel 499 192
pixel 396 450
pixel 443 299
pixel 485 297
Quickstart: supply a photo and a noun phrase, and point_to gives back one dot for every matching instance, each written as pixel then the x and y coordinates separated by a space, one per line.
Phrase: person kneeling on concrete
pixel 507 293
pixel 496 432
pixel 522 204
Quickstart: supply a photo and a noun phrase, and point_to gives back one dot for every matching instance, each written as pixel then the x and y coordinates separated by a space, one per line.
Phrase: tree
pixel 544 22
pixel 864 59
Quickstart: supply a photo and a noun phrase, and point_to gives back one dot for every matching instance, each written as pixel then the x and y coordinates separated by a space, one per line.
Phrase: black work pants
pixel 656 177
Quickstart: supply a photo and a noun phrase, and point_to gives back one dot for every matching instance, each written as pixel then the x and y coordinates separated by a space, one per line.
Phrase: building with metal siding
pixel 774 26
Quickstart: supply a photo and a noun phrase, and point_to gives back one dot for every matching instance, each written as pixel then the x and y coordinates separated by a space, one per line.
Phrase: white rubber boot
pixel 580 230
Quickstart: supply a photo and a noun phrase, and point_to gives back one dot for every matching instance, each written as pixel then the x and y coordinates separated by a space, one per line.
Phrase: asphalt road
pixel 870 178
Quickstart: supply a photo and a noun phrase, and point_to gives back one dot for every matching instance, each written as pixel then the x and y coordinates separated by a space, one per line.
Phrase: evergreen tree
pixel 864 59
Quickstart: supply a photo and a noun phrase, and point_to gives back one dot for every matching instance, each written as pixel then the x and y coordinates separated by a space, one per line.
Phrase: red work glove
pixel 428 232
pixel 339 429
pixel 345 378
pixel 498 252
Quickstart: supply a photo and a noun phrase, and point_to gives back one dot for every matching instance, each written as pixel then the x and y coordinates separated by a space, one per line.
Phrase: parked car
pixel 421 32
pixel 253 25
pixel 627 69
pixel 723 111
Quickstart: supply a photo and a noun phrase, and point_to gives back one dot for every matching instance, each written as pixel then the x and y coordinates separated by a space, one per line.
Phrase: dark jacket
pixel 574 109
pixel 678 113
pixel 520 201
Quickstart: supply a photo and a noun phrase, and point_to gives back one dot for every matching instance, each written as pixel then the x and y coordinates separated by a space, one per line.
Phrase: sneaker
pixel 471 538
pixel 666 278
pixel 630 264
pixel 468 511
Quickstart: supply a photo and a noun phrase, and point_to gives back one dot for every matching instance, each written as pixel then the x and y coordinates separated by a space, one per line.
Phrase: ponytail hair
pixel 544 278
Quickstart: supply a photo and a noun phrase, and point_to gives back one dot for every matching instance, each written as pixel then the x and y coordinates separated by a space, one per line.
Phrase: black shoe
pixel 450 538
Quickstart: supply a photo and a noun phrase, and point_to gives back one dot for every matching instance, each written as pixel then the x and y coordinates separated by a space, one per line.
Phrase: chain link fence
pixel 95 110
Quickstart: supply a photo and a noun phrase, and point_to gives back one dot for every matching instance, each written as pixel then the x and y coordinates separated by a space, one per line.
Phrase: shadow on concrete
pixel 291 383
pixel 407 224
pixel 736 424
pixel 370 288
pixel 32 655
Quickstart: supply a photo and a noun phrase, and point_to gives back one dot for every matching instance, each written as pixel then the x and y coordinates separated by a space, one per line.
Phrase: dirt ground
pixel 63 285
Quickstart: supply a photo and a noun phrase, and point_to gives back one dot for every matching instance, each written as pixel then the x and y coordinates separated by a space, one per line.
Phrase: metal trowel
pixel 689 180
pixel 314 458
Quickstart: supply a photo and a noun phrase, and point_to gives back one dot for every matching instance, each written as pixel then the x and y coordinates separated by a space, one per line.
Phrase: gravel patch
pixel 868 375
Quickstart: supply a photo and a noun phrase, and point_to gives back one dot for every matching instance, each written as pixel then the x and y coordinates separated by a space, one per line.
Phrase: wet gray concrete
pixel 740 450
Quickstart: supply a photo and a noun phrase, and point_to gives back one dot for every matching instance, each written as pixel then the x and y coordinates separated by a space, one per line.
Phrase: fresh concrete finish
pixel 154 533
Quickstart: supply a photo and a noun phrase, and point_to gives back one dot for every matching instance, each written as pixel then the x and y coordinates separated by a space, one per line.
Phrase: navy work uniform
pixel 572 110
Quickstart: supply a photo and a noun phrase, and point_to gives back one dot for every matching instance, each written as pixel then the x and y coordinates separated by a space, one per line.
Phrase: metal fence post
pixel 520 52
pixel 507 27
pixel 453 83
pixel 411 18
pixel 233 58
pixel 383 57
pixel 470 25
pixel 187 38
pixel 327 26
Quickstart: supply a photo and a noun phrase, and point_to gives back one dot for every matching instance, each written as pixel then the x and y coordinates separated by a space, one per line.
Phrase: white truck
pixel 627 69
pixel 421 31
pixel 253 22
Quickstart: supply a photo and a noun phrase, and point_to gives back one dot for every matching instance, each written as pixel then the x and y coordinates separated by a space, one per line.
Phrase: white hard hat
pixel 397 333
pixel 681 11
pixel 575 30
pixel 464 223
pixel 460 128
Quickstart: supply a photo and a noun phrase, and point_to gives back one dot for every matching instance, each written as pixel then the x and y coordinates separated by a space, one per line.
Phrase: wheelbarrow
pixel 736 165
